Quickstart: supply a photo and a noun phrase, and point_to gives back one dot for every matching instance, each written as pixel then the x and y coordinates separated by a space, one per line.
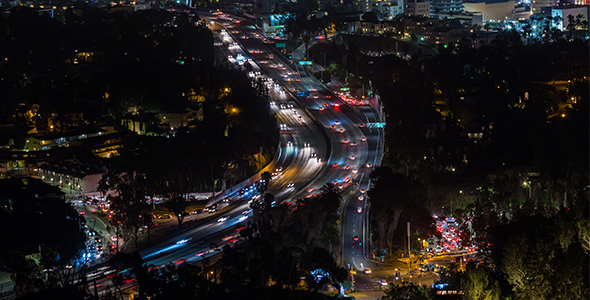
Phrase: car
pixel 328 97
pixel 297 80
pixel 166 216
pixel 354 171
pixel 314 155
pixel 290 185
pixel 367 271
pixel 353 144
pixel 346 179
pixel 315 96
pixel 361 198
pixel 369 166
pixel 383 283
pixel 333 127
pixel 355 238
pixel 362 125
pixel 326 105
pixel 314 90
pixel 225 199
pixel 320 108
pixel 352 157
pixel 341 130
pixel 223 219
pixel 335 166
pixel 359 210
pixel 82 213
pixel 247 211
pixel 345 142
pixel 289 144
pixel 346 167
pixel 363 139
pixel 363 191
pixel 336 122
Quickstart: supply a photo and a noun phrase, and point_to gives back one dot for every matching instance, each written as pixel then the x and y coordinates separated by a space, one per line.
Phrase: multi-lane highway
pixel 354 149
pixel 321 142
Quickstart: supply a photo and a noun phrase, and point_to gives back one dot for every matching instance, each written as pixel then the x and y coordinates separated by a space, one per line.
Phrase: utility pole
pixel 409 255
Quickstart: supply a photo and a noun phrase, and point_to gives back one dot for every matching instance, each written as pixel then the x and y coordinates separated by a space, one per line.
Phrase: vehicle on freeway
pixel 290 185
pixel 369 166
pixel 223 219
pixel 335 166
pixel 247 211
pixel 353 144
pixel 289 144
pixel 367 271
pixel 332 127
pixel 315 96
pixel 336 122
pixel 362 125
pixel 345 142
pixel 346 167
pixel 212 208
pixel 383 283
pixel 361 198
pixel 320 108
pixel 363 139
pixel 355 238
pixel 354 171
pixel 166 216
pixel 341 130
pixel 362 191
pixel 314 155
pixel 352 157
pixel 359 210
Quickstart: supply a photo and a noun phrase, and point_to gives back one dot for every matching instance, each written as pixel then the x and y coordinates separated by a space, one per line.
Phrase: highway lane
pixel 367 153
pixel 295 158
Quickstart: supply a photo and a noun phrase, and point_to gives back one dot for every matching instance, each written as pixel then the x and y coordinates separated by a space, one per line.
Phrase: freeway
pixel 321 142
pixel 347 140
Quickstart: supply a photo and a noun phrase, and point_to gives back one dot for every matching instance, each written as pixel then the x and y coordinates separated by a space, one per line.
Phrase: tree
pixel 406 292
pixel 370 17
pixel 478 284
pixel 177 205
pixel 571 25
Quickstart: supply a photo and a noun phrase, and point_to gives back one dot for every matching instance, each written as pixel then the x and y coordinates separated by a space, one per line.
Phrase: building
pixel 564 11
pixel 498 10
pixel 537 5
pixel 73 177
pixel 446 7
pixel 417 8
pixel 22 188
pixel 388 9
pixel 186 117
pixel 378 28
pixel 105 146
pixel 49 141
